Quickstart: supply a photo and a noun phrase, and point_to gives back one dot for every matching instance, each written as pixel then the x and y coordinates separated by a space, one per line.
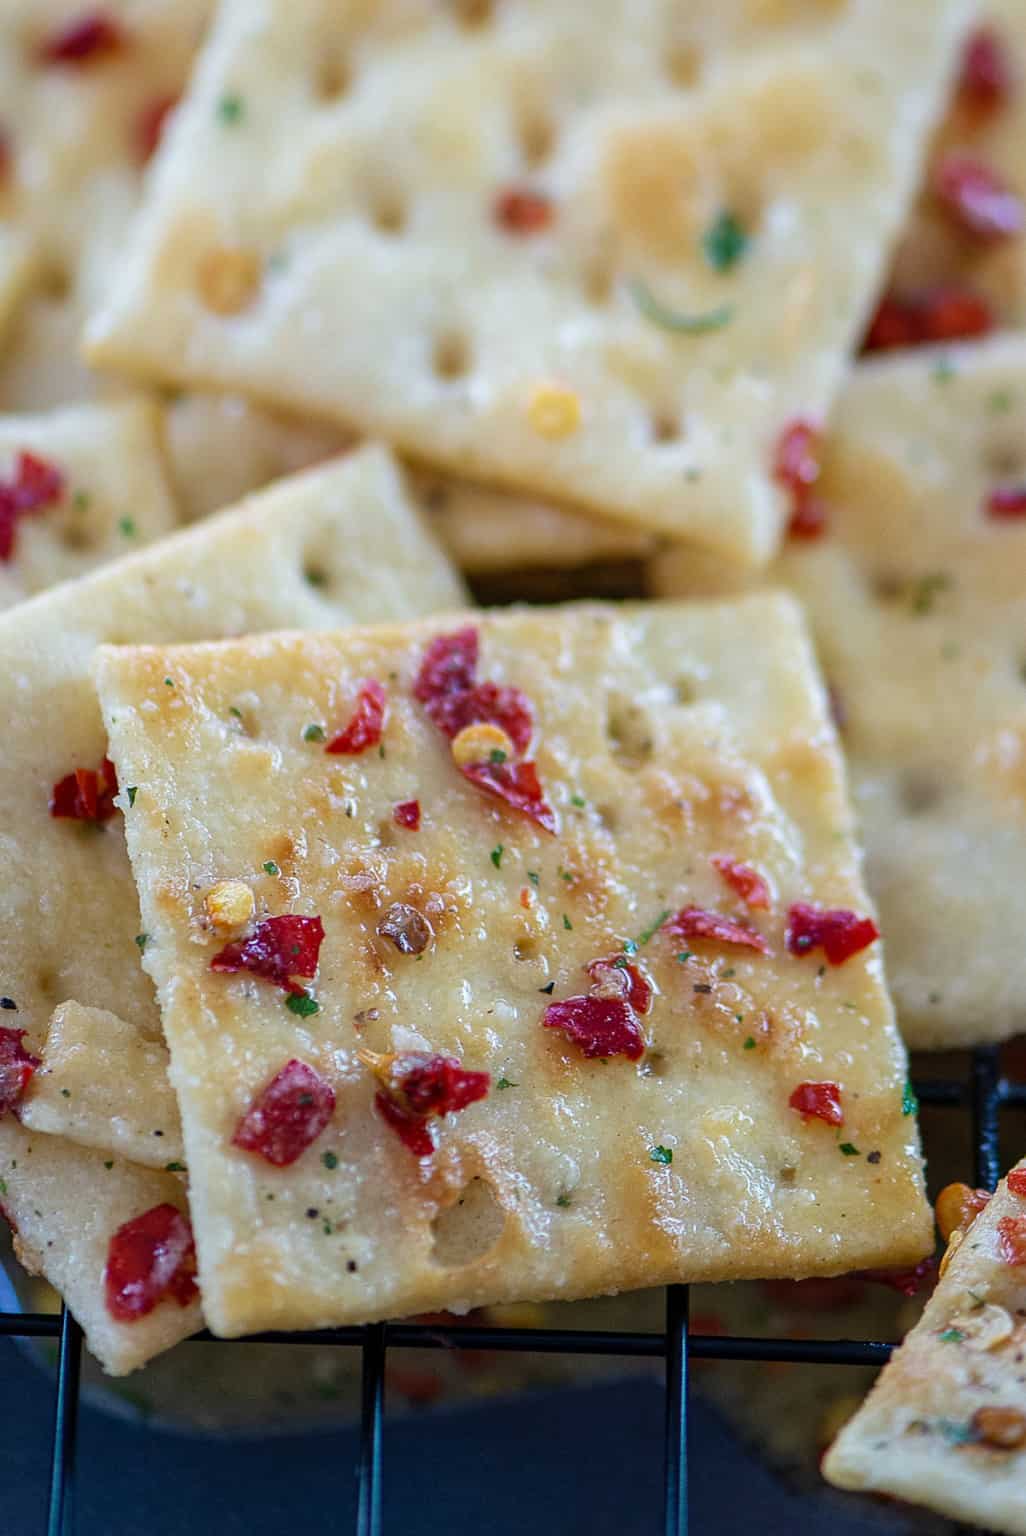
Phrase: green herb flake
pixel 662 1155
pixel 108 1165
pixel 909 1101
pixel 271 868
pixel 313 733
pixel 302 1004
pixel 131 792
pixel 236 712
pixel 724 242
pixel 534 877
pixel 926 590
pixel 849 1150
pixel 142 939
pixel 563 1199
pixel 567 924
pixel 80 503
pixel 329 1160
pixel 169 682
pixel 127 528
pixel 955 1431
pixel 174 1167
pixel 943 370
pixel 496 855
pixel 685 955
pixel 674 320
pixel 951 1336
pixel 750 1043
pixel 548 988
pixel 999 402
pixel 505 1082
pixel 230 110
pixel 65 1093
pixel 579 801
pixel 653 928
pixel 496 755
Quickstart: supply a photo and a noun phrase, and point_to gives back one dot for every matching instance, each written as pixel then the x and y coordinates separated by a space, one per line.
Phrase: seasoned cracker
pixel 917 599
pixel 104 492
pixel 664 736
pixel 326 547
pixel 597 254
pixel 945 1424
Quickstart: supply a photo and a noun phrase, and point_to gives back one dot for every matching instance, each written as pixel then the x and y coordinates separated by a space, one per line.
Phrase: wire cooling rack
pixel 982 1091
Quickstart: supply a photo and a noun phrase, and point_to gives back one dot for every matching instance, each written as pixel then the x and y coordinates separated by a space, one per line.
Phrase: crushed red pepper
pixel 599 1026
pixel 1016 1182
pixel 35 486
pixel 150 125
pixel 818 1101
pixel 86 794
pixel 940 314
pixel 696 923
pixel 277 949
pixel 287 1116
pixel 367 724
pixel 1007 503
pixel 416 1086
pixel 986 81
pixel 518 785
pixel 796 468
pixel 619 977
pixel 521 211
pixel 83 40
pixel 151 1258
pixel 407 814
pixel 1011 1232
pixel 17 1067
pixel 743 880
pixel 976 199
pixel 838 932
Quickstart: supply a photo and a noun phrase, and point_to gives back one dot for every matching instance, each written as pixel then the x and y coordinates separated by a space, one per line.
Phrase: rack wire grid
pixel 983 1091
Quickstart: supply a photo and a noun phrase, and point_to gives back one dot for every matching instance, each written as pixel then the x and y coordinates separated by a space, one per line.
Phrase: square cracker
pixel 548 1188
pixel 68 908
pixel 328 240
pixel 115 496
pixel 925 1431
pixel 933 251
pixel 917 601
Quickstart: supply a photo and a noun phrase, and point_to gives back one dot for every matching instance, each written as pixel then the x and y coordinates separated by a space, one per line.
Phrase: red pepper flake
pixel 83 40
pixel 1016 1182
pixel 367 724
pixel 986 80
pixel 277 949
pixel 407 814
pixel 1007 503
pixel 696 923
pixel 518 785
pixel 818 1101
pixel 1011 1232
pixel 520 211
pixel 151 1259
pixel 449 666
pixel 743 880
pixel 287 1116
pixel 600 1026
pixel 417 1086
pixel 36 486
pixel 151 123
pixel 907 1282
pixel 16 1069
pixel 796 468
pixel 525 898
pixel 87 794
pixel 486 704
pixel 941 314
pixel 619 977
pixel 977 199
pixel 838 932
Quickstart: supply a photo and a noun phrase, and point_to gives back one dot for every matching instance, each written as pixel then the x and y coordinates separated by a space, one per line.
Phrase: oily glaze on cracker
pixel 548 1187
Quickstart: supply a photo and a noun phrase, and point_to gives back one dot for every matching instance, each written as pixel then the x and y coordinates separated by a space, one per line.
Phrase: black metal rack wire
pixel 984 1092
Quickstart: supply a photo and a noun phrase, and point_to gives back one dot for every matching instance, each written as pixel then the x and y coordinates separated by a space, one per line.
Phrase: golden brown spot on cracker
pixel 1002 1428
pixel 228 279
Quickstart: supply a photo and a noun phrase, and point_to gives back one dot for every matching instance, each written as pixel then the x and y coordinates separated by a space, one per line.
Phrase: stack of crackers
pixel 368 953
